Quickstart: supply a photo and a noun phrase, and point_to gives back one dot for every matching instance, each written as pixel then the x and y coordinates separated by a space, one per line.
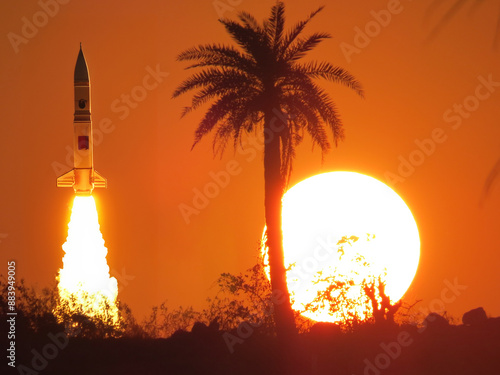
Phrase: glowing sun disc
pixel 321 210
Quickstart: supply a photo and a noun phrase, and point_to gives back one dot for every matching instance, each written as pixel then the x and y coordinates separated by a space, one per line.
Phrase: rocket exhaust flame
pixel 85 286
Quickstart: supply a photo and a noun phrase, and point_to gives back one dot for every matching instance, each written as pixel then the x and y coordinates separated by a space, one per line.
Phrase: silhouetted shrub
pixel 41 312
pixel 356 296
pixel 245 297
pixel 475 317
pixel 436 321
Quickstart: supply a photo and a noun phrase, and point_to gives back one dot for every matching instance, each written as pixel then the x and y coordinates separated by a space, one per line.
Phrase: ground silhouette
pixel 436 347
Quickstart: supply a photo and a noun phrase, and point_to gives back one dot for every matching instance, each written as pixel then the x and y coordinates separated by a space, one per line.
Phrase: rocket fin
pixel 99 181
pixel 67 179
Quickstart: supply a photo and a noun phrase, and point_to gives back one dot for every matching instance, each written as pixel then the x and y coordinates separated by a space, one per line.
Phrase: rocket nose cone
pixel 81 71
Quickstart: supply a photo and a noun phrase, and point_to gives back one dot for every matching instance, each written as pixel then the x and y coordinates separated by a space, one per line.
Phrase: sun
pixel 348 230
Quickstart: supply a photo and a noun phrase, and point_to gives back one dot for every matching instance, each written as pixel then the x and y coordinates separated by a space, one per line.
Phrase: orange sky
pixel 145 153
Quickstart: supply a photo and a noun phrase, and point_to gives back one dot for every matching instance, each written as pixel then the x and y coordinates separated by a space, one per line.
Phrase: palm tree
pixel 251 88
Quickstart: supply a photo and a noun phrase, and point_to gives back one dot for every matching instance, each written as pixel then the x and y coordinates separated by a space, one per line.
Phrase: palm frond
pixel 492 177
pixel 209 77
pixel 197 80
pixel 309 119
pixel 250 21
pixel 297 29
pixel 216 55
pixel 215 114
pixel 331 73
pixel 247 38
pixel 300 48
pixel 287 154
pixel 222 135
pixel 452 11
pixel 236 83
pixel 446 18
pixel 274 26
pixel 319 101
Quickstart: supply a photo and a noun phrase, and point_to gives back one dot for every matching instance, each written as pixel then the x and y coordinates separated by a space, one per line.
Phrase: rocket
pixel 83 178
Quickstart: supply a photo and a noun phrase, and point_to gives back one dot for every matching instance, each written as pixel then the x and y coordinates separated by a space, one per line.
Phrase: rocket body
pixel 83 178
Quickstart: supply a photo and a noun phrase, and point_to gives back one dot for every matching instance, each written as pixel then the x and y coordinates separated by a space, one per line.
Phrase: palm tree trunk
pixel 274 185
